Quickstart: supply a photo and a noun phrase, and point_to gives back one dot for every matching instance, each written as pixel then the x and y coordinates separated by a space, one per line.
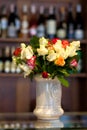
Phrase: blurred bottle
pixel 24 22
pixel 13 65
pixel 70 23
pixel 17 22
pixel 7 60
pixel 33 21
pixel 62 25
pixel 18 69
pixel 1 60
pixel 0 22
pixel 12 32
pixel 4 21
pixel 51 23
pixel 79 31
pixel 80 64
pixel 41 23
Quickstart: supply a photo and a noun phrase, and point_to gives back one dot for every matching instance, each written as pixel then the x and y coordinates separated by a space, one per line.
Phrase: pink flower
pixel 31 62
pixel 45 74
pixel 73 63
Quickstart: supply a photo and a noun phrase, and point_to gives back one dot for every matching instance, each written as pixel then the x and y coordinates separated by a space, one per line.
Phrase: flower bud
pixel 73 63
pixel 45 74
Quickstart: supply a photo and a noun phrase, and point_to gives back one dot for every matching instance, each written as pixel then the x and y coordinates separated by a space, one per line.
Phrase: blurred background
pixel 20 20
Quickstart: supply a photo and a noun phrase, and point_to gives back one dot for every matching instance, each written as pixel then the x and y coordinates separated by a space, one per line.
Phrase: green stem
pixel 44 66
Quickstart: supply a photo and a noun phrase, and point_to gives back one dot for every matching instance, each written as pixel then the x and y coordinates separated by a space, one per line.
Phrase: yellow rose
pixel 26 52
pixel 62 53
pixel 26 69
pixel 71 51
pixel 43 41
pixel 42 51
pixel 51 56
pixel 57 46
pixel 75 44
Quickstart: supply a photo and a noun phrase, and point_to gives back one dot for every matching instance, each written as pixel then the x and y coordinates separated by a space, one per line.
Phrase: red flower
pixel 65 43
pixel 45 74
pixel 74 63
pixel 54 40
pixel 17 51
pixel 31 62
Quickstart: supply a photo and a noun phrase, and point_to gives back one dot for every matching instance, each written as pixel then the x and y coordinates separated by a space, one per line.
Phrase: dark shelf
pixel 10 75
pixel 14 40
pixel 82 75
pixel 17 40
pixel 79 75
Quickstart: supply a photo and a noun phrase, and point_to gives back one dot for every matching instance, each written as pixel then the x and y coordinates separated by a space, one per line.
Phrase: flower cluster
pixel 48 57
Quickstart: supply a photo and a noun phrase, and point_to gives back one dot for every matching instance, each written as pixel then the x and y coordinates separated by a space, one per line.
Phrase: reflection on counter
pixel 22 121
pixel 49 124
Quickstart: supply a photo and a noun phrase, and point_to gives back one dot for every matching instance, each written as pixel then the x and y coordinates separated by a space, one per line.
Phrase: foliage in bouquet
pixel 48 57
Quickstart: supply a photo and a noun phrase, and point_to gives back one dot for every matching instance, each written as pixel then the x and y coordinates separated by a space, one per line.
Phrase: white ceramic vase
pixel 48 98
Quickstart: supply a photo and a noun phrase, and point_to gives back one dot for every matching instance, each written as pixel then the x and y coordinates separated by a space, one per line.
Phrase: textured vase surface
pixel 48 98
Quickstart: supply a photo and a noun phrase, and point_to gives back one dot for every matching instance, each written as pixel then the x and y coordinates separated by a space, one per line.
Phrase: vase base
pixel 49 124
pixel 48 114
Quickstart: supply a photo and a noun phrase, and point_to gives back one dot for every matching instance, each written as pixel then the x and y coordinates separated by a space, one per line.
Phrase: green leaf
pixel 64 72
pixel 63 81
pixel 34 42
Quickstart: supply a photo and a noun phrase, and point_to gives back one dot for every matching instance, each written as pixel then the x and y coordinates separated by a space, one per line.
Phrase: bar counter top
pixel 25 121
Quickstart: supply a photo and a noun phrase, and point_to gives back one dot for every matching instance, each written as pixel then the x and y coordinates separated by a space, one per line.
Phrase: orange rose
pixel 60 61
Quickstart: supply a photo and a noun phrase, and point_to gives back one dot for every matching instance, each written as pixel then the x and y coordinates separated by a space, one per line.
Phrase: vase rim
pixel 39 77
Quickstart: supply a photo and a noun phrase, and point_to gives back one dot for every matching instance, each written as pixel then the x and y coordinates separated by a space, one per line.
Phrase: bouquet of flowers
pixel 48 57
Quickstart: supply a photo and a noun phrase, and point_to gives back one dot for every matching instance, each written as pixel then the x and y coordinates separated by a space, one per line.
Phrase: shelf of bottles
pixel 49 22
pixel 6 63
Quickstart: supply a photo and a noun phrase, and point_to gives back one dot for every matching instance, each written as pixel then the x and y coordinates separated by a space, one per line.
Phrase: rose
pixel 65 43
pixel 74 63
pixel 42 50
pixel 60 61
pixel 31 62
pixel 45 74
pixel 75 44
pixel 52 55
pixel 54 40
pixel 26 69
pixel 26 52
pixel 57 46
pixel 43 41
pixel 17 52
